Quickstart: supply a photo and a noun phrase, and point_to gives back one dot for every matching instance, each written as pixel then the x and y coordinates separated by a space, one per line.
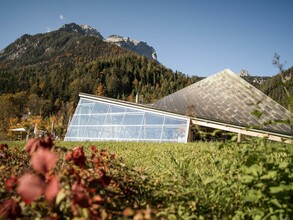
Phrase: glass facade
pixel 96 120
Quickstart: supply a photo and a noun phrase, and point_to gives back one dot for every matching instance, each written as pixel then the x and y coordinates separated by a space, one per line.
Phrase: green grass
pixel 207 179
pixel 167 159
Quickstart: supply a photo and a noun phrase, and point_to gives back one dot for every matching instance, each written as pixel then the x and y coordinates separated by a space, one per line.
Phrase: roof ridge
pixel 227 97
pixel 244 82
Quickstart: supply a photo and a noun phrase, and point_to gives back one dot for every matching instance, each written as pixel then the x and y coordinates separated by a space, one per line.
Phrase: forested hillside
pixel 275 88
pixel 42 75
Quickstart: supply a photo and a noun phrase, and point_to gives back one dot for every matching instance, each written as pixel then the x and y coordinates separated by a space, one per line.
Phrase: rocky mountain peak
pixel 243 73
pixel 84 29
pixel 26 43
pixel 140 47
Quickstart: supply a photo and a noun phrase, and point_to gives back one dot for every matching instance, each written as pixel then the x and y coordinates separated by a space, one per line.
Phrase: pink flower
pixel 43 161
pixel 29 187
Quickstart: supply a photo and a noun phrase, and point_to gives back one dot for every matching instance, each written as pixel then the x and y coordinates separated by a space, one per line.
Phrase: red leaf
pixel 29 187
pixel 52 189
pixel 34 144
pixel 68 155
pixel 80 196
pixel 114 156
pixel 10 209
pixel 2 146
pixel 11 182
pixel 43 161
pixel 79 156
pixel 94 148
pixel 105 179
pixel 47 142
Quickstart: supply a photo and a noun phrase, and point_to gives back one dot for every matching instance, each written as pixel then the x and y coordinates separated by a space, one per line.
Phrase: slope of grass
pixel 208 180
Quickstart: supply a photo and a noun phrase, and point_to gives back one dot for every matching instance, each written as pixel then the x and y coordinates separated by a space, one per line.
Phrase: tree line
pixel 49 88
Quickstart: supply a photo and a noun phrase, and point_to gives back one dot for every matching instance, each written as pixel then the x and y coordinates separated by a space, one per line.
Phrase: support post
pixel 239 138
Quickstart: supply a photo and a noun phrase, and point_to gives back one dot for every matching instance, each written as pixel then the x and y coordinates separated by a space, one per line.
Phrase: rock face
pixel 243 73
pixel 139 47
pixel 254 80
pixel 84 29
pixel 134 45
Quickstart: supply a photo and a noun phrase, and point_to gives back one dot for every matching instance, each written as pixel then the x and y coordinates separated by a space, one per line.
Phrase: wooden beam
pixel 242 131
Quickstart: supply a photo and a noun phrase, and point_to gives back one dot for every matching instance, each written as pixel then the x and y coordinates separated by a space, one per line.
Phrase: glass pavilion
pixel 103 119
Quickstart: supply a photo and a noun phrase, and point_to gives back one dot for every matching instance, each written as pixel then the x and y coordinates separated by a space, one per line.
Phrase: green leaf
pixel 209 180
pixel 246 179
pixel 251 159
pixel 259 185
pixel 276 203
pixel 60 196
pixel 254 170
pixel 85 213
pixel 234 138
pixel 251 198
pixel 277 189
pixel 256 113
pixel 283 165
pixel 258 217
pixel 274 217
pixel 269 175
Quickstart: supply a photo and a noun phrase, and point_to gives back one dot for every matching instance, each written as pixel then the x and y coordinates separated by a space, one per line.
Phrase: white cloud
pixel 48 29
pixel 61 17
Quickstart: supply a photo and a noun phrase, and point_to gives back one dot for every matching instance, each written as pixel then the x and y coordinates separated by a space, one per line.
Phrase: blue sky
pixel 196 37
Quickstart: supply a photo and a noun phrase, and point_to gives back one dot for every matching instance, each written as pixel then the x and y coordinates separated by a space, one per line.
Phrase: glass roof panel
pixel 114 119
pixel 80 120
pixel 97 120
pixel 133 119
pixel 85 108
pixel 153 119
pixel 100 108
pixel 117 109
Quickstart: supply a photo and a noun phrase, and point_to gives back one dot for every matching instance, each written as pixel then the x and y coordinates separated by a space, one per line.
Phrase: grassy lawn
pixel 164 160
pixel 207 180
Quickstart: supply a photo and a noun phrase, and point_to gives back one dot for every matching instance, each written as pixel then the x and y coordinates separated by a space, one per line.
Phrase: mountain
pixel 27 43
pixel 137 46
pixel 42 75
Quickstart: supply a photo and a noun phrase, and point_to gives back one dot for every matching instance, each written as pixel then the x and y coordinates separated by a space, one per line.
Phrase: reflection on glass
pixel 96 120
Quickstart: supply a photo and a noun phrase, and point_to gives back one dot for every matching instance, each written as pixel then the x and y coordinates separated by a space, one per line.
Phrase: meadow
pixel 201 180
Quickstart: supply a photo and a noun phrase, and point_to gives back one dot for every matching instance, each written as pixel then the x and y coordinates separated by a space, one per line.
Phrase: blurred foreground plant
pixel 54 184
